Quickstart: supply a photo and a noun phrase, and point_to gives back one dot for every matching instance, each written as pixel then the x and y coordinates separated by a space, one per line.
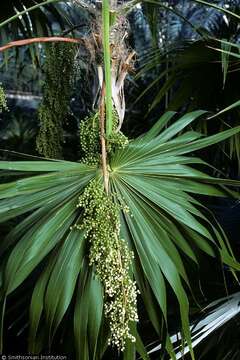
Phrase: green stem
pixel 107 64
pixel 27 11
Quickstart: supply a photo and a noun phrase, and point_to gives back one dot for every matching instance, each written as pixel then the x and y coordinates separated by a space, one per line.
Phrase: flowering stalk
pixel 111 258
pixel 103 140
pixel 109 253
pixel 3 100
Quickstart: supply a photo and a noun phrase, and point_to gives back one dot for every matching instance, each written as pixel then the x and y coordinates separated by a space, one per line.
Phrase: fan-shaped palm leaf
pixel 156 179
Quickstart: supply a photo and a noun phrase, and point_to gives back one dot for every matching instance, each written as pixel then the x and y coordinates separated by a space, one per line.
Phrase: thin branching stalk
pixel 107 64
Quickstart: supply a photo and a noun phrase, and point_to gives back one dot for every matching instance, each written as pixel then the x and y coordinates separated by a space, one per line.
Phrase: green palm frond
pixel 160 184
pixel 218 61
pixel 38 22
pixel 220 8
pixel 213 318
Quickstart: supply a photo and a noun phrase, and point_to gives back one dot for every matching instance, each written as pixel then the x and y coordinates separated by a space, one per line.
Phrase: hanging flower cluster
pixel 111 258
pixel 3 100
pixel 89 131
pixel 90 139
pixel 59 74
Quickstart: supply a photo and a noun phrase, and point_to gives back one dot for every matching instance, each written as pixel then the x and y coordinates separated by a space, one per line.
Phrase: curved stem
pixel 27 11
pixel 107 64
pixel 38 40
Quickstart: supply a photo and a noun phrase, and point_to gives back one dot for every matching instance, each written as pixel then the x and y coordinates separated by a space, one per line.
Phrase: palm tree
pixel 94 236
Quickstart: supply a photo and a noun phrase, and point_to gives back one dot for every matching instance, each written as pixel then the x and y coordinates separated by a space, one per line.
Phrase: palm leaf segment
pixel 218 313
pixel 154 177
pixel 37 22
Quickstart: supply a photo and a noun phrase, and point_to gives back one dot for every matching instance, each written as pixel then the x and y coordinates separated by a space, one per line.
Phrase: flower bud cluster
pixel 3 100
pixel 117 140
pixel 54 109
pixel 111 258
pixel 89 131
pixel 90 139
